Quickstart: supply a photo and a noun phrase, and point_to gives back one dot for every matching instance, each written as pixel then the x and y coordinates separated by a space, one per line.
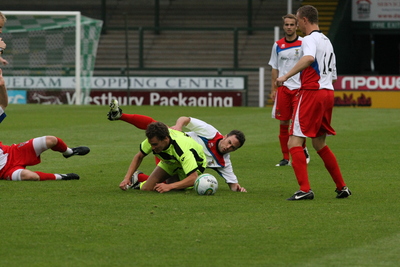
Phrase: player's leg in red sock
pixel 332 166
pixel 46 176
pixel 140 121
pixel 56 144
pixel 27 175
pixel 283 140
pixel 299 165
pixel 142 177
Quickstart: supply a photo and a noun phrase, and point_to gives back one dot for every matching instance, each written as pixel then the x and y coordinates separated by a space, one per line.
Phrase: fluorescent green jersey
pixel 183 156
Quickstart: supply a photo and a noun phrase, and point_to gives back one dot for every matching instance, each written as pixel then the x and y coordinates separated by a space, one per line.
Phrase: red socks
pixel 332 166
pixel 46 176
pixel 283 139
pixel 60 147
pixel 142 177
pixel 140 121
pixel 299 165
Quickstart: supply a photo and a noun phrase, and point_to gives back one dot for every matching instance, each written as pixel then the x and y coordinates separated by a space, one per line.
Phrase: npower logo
pixel 368 83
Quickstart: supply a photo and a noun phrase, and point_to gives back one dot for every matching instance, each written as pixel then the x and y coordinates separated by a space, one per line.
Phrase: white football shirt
pixel 322 71
pixel 208 136
pixel 284 56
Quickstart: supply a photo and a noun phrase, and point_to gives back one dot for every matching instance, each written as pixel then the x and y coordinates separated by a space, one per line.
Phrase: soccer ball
pixel 206 184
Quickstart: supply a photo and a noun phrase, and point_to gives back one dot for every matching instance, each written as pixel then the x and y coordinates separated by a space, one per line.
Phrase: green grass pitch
pixel 91 222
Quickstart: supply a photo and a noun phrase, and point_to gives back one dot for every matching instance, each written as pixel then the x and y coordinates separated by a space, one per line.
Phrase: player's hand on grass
pixel 162 188
pixel 237 188
pixel 124 184
pixel 241 189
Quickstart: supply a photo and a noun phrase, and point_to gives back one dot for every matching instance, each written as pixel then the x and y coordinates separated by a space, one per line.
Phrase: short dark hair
pixel 157 129
pixel 310 12
pixel 239 135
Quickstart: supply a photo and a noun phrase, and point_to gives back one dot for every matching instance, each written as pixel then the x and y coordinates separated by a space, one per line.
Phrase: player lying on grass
pixel 15 158
pixel 216 146
pixel 182 160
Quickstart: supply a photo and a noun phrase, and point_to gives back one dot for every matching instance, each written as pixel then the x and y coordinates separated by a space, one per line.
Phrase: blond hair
pixel 3 17
pixel 289 16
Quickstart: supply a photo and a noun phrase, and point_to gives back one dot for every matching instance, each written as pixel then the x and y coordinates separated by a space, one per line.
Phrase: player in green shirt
pixel 182 159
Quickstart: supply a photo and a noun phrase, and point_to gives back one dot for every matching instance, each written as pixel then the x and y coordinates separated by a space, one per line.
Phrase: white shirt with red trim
pixel 284 55
pixel 208 136
pixel 322 71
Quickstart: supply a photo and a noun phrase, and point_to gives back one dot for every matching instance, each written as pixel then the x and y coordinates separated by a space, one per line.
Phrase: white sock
pixel 68 151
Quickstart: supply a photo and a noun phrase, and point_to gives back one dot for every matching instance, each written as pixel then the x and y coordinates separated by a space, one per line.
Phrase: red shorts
pixel 19 156
pixel 284 103
pixel 313 113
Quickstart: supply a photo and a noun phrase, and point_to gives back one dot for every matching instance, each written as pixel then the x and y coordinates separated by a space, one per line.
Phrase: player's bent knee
pixel 145 186
pixel 51 141
pixel 27 175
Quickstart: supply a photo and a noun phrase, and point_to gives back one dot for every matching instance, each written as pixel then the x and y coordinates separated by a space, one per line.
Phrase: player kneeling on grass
pixel 216 147
pixel 15 158
pixel 180 156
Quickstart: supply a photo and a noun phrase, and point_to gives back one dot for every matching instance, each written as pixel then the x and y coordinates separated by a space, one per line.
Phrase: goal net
pixel 50 53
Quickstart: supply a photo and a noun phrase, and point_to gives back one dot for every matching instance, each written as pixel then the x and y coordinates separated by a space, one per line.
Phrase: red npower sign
pixel 368 91
pixel 391 83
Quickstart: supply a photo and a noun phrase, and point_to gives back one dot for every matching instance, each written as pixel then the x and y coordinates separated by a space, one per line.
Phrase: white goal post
pixel 54 45
pixel 77 15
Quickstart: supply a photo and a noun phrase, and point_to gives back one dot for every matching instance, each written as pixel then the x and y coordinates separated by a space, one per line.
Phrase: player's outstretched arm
pixel 303 63
pixel 180 123
pixel 136 161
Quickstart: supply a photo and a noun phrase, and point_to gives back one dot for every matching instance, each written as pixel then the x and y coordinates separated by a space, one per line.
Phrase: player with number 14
pixel 313 110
